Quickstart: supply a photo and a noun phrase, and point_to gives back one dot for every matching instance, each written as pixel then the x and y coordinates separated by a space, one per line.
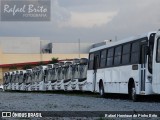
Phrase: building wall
pixel 74 48
pixel 34 45
pixel 20 45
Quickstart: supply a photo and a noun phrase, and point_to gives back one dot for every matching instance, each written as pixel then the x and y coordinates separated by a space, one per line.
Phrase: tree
pixel 41 63
pixel 28 66
pixel 54 60
pixel 13 67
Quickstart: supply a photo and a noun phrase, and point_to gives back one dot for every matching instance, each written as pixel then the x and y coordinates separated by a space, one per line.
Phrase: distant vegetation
pixel 54 60
pixel 27 67
pixel 13 67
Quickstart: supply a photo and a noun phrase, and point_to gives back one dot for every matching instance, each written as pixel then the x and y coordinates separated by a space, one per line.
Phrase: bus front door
pixel 96 65
pixel 143 67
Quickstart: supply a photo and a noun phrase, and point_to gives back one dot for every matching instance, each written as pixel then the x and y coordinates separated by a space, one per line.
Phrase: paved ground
pixel 15 101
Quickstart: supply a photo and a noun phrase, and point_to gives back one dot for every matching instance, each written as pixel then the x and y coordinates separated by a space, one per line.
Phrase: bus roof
pixel 110 44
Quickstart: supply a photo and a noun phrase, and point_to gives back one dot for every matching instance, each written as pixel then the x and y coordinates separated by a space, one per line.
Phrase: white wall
pixel 20 44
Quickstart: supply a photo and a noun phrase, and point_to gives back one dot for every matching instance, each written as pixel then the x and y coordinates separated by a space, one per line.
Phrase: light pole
pixel 40 50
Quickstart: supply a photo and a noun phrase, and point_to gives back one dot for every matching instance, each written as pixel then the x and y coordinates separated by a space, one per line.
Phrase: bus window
pixel 96 62
pixel 158 50
pixel 150 54
pixel 135 53
pixel 110 57
pixel 103 58
pixel 117 55
pixel 91 61
pixel 126 54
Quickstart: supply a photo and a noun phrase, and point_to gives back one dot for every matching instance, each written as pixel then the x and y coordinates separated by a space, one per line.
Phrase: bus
pixel 67 69
pixel 28 80
pixel 82 79
pixel 13 80
pixel 53 80
pixel 49 76
pixel 60 76
pixel 41 78
pixel 5 80
pixel 34 78
pixel 9 85
pixel 75 74
pixel 21 81
pixel 127 66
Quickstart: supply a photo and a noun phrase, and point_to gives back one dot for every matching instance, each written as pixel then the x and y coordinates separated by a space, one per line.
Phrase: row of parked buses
pixel 130 66
pixel 67 75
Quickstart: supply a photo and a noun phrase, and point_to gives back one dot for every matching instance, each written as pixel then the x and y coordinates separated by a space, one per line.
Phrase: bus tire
pixel 132 93
pixel 101 89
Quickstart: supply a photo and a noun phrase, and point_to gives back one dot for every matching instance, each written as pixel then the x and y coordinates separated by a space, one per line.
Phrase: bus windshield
pixel 67 72
pixel 75 72
pixel 60 73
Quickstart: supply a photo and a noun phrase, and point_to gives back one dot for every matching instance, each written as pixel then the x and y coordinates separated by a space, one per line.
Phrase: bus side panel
pixel 108 80
pixel 100 76
pixel 125 76
pixel 112 76
pixel 136 75
pixel 116 79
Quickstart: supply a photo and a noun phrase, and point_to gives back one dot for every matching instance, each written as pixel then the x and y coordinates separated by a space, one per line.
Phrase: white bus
pixel 34 78
pixel 128 66
pixel 54 76
pixel 75 74
pixel 28 80
pixel 60 76
pixel 9 84
pixel 5 80
pixel 51 78
pixel 21 82
pixel 41 78
pixel 13 80
pixel 82 79
pixel 67 69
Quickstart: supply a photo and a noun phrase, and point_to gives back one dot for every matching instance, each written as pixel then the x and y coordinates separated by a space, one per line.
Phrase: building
pixel 21 51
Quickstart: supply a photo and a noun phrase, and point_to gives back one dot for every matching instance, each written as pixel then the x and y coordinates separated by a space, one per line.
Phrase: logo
pixel 6 114
pixel 25 10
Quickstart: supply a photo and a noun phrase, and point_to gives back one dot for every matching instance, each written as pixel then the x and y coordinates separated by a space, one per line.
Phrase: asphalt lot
pixel 71 101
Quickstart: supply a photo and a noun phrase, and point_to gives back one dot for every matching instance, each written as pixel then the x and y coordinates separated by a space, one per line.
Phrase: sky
pixel 90 21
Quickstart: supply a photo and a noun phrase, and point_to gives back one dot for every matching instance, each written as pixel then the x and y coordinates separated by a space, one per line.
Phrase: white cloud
pixel 88 19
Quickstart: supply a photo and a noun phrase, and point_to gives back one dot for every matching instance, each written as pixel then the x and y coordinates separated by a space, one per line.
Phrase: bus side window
pixel 158 50
pixel 126 54
pixel 110 57
pixel 91 61
pixel 103 59
pixel 117 55
pixel 135 53
pixel 96 62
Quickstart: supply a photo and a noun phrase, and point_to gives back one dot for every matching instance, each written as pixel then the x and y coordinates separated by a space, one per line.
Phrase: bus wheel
pixel 101 89
pixel 133 95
